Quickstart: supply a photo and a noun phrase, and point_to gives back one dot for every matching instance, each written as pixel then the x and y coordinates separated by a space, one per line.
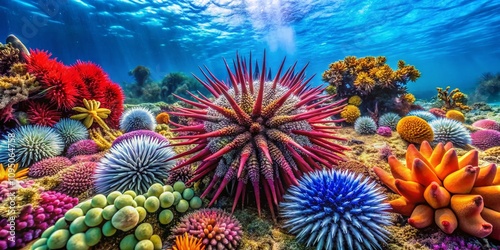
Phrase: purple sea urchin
pixel 260 132
pixel 49 166
pixel 77 179
pixel 83 147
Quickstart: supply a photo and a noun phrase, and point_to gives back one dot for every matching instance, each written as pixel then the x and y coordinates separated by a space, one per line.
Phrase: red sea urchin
pixel 260 131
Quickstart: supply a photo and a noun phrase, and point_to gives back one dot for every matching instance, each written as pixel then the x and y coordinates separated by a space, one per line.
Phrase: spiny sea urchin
pixel 261 132
pixel 71 131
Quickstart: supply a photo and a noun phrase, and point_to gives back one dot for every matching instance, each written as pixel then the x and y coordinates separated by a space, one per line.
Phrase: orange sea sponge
pixel 438 186
pixel 163 118
pixel 414 129
pixel 355 100
pixel 455 115
pixel 350 113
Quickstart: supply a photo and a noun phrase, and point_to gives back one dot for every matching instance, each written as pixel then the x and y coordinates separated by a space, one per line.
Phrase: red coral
pixel 42 114
pixel 90 78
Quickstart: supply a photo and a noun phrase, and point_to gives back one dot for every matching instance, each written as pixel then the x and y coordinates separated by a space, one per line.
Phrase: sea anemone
pixel 49 166
pixel 83 147
pixel 389 120
pixel 414 129
pixel 259 132
pixel 336 210
pixel 33 143
pixel 43 114
pixel 365 125
pixel 426 115
pixel 134 164
pixel 216 228
pixel 447 130
pixel 77 179
pixel 183 174
pixel 137 118
pixel 71 131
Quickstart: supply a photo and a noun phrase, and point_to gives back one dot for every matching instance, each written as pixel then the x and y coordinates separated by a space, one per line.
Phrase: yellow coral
pixel 104 140
pixel 350 113
pixel 91 112
pixel 453 99
pixel 414 129
pixel 455 115
pixel 364 82
pixel 355 100
pixel 14 89
pixel 494 151
pixel 12 172
pixel 409 98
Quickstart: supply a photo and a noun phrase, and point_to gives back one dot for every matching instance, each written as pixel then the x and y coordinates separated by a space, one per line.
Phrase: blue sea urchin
pixel 259 132
pixel 134 164
pixel 447 130
pixel 365 125
pixel 137 118
pixel 71 131
pixel 336 210
pixel 389 120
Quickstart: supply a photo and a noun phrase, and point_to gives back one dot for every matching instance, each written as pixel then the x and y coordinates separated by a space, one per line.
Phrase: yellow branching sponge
pixel 414 129
pixel 409 98
pixel 453 99
pixel 350 113
pixel 438 186
pixel 455 115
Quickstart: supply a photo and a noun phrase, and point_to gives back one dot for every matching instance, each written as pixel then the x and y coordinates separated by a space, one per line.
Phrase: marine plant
pixel 485 139
pixel 49 166
pixel 104 139
pixel 365 125
pixel 187 242
pixel 135 163
pixel 71 131
pixel 216 228
pixel 92 112
pixel 137 118
pixel 447 130
pixel 32 143
pixel 12 171
pixel 336 210
pixel 350 113
pixel 426 115
pixel 438 186
pixel 452 99
pixel 389 120
pixel 260 132
pixel 414 129
pixel 82 147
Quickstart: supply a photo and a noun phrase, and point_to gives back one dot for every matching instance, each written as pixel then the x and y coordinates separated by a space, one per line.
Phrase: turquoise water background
pixel 450 42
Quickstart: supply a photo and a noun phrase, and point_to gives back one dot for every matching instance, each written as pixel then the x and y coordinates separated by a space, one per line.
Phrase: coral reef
pixel 135 164
pixel 49 166
pixel 485 139
pixel 452 99
pixel 136 133
pixel 104 139
pixel 259 132
pixel 365 125
pixel 336 210
pixel 137 118
pixel 389 120
pixel 141 74
pixel 92 112
pixel 350 113
pixel 487 88
pixel 447 130
pixel 183 174
pixel 438 186
pixel 71 131
pixel 414 129
pixel 82 147
pixel 187 242
pixel 216 228
pixel 43 114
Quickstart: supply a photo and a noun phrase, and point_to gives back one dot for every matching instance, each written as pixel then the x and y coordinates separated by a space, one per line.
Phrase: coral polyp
pixel 261 132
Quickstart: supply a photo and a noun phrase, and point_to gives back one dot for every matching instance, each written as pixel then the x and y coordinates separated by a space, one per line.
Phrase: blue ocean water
pixel 450 42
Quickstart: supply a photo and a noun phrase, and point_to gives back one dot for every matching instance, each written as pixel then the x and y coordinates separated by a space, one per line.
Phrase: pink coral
pixel 83 147
pixel 439 113
pixel 78 179
pixel 487 124
pixel 384 131
pixel 485 139
pixel 6 188
pixel 49 166
pixel 86 158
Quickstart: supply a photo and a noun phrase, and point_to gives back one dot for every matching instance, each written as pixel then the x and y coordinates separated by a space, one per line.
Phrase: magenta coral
pixel 86 158
pixel 6 188
pixel 384 131
pixel 487 124
pixel 83 147
pixel 216 228
pixel 485 139
pixel 78 179
pixel 183 174
pixel 33 221
pixel 49 166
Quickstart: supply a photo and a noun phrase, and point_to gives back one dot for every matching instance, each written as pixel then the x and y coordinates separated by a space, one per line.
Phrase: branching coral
pixel 438 186
pixel 261 132
pixel 104 139
pixel 92 112
pixel 452 99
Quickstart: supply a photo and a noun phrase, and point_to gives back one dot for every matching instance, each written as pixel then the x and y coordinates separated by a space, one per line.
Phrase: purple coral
pixel 78 179
pixel 83 147
pixel 135 133
pixel 455 243
pixel 86 158
pixel 49 166
pixel 216 228
pixel 384 131
pixel 487 124
pixel 485 139
pixel 33 221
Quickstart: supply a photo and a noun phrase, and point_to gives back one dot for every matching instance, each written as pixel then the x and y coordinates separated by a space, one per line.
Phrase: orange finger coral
pixel 414 129
pixel 11 172
pixel 186 242
pixel 438 186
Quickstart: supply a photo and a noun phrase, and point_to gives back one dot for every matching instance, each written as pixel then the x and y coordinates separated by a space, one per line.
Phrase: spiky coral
pixel 83 147
pixel 49 166
pixel 104 139
pixel 389 120
pixel 11 170
pixel 216 228
pixel 350 113
pixel 336 210
pixel 414 129
pixel 265 133
pixel 485 139
pixel 447 130
pixel 77 179
pixel 452 99
pixel 44 114
pixel 437 185
pixel 92 112
pixel 365 125
pixel 426 115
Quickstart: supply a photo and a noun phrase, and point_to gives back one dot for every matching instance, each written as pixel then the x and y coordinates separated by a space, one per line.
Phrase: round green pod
pixel 152 204
pixel 77 242
pixel 158 245
pixel 179 186
pixel 142 213
pixel 188 193
pixel 73 213
pixel 93 236
pixel 167 199
pixel 85 206
pixel 61 224
pixel 195 202
pixel 125 218
pixel 131 193
pixel 140 199
pixel 108 229
pixel 108 212
pixel 155 190
pixel 112 196
pixel 128 242
pixel 94 217
pixel 168 188
pixel 166 216
pixel 143 231
pixel 78 225
pixel 144 245
pixel 44 247
pixel 58 239
pixel 177 197
pixel 182 206
pixel 40 242
pixel 48 232
pixel 123 201
pixel 99 201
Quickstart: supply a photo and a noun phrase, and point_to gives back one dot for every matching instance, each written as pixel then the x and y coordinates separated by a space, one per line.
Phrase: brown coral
pixel 453 99
pixel 14 89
